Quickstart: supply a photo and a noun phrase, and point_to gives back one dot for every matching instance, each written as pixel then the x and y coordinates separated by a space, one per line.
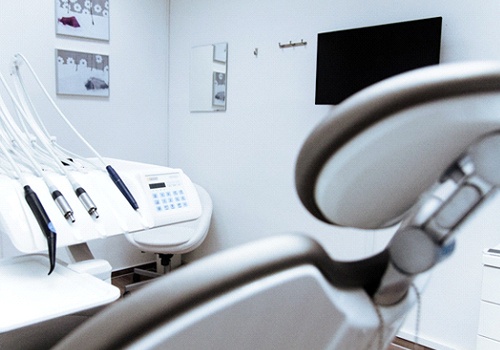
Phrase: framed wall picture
pixel 83 18
pixel 82 73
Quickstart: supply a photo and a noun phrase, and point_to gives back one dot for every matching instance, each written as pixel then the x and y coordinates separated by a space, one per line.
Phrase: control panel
pixel 172 197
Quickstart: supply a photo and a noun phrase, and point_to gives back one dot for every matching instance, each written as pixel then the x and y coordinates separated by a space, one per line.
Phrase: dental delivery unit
pixel 53 198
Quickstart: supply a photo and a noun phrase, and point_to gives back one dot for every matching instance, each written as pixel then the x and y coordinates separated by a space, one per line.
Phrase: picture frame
pixel 82 73
pixel 83 18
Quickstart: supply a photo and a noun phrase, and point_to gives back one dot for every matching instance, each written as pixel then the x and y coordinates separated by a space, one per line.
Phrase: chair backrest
pixel 178 238
pixel 282 292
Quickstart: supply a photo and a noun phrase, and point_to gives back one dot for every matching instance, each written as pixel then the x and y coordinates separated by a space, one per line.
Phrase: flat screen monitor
pixel 352 59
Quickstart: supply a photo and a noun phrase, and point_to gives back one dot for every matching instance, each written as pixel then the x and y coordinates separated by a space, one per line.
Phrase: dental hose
pixel 26 117
pixel 17 138
pixel 111 172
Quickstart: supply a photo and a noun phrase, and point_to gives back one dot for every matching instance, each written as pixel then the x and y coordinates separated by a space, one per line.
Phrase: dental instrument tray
pixel 164 195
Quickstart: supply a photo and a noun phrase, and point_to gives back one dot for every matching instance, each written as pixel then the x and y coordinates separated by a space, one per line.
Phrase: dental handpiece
pixel 63 205
pixel 122 187
pixel 44 222
pixel 87 202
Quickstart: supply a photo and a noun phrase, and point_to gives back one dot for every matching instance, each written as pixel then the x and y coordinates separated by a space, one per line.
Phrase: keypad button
pixel 173 197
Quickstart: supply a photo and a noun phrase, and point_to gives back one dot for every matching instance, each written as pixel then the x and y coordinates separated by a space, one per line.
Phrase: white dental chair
pixel 366 166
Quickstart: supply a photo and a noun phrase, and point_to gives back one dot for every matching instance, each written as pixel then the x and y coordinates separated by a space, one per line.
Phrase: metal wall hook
pixel 290 44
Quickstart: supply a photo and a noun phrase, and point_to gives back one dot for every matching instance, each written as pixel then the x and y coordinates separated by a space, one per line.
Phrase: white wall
pixel 130 124
pixel 245 156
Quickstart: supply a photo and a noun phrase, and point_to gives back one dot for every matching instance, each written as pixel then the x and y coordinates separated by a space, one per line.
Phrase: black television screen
pixel 350 60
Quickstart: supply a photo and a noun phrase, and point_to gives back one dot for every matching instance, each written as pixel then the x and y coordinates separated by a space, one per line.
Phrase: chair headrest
pixel 367 163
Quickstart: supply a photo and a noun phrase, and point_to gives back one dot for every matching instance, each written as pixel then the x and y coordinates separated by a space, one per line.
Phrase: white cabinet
pixel 489 316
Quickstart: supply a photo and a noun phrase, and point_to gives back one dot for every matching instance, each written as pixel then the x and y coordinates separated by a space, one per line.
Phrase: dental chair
pixel 408 151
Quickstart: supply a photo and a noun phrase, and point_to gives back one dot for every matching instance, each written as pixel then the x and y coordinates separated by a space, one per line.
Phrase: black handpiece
pixel 122 187
pixel 44 223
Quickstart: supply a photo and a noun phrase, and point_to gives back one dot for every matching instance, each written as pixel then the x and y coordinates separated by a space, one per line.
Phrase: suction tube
pixel 44 223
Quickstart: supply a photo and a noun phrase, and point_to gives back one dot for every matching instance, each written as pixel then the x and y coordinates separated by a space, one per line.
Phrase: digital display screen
pixel 157 185
pixel 350 60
